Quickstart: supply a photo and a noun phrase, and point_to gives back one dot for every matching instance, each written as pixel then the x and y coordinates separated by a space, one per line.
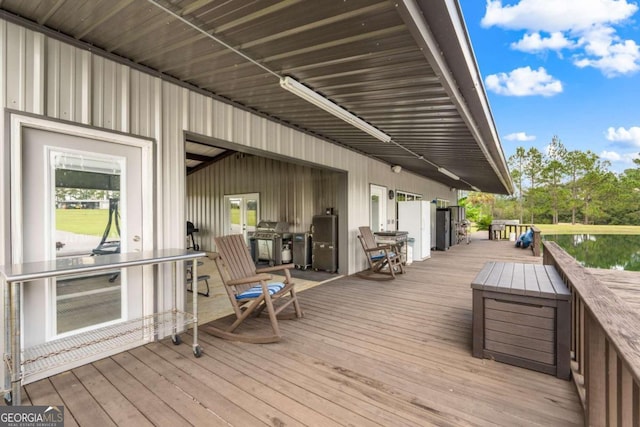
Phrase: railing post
pixel 537 241
pixel 547 258
pixel 595 373
pixel 629 401
pixel 613 378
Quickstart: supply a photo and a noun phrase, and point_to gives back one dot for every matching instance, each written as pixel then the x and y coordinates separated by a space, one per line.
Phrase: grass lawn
pixel 235 217
pixel 91 222
pixel 588 229
pixel 582 229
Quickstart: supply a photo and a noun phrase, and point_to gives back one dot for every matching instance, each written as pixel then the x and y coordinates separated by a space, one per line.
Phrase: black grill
pixel 268 240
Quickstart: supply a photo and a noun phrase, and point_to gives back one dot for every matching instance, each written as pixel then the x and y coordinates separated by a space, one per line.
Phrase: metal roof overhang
pixel 406 67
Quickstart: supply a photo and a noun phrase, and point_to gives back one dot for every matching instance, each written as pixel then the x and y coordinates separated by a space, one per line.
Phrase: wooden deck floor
pixel 367 353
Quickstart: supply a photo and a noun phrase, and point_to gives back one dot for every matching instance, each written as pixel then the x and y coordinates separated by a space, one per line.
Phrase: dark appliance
pixel 268 240
pixel 108 247
pixel 443 226
pixel 453 225
pixel 324 233
pixel 190 230
pixel 302 250
pixel 433 219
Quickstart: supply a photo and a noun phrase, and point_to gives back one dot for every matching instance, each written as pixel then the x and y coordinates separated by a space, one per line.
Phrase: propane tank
pixel 286 254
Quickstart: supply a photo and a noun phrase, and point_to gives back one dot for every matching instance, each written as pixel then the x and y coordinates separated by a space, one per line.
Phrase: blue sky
pixel 569 68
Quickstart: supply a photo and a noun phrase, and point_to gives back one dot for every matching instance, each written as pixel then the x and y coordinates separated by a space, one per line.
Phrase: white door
pixel 241 212
pixel 78 192
pixel 378 208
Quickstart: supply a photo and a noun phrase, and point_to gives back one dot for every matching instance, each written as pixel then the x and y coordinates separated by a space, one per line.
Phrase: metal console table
pixel 22 363
pixel 397 238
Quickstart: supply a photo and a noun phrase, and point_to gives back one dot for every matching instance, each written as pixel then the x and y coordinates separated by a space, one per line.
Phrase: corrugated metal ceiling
pixel 366 55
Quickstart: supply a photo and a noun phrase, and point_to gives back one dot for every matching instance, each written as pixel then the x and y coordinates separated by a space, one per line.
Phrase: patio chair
pixel 249 291
pixel 384 260
pixel 201 278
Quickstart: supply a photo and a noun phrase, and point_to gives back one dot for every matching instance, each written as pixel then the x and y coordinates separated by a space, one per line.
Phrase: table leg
pixel 194 284
pixel 7 342
pixel 16 398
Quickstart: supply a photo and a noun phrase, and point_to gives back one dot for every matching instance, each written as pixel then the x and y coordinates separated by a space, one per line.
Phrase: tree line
pixel 564 186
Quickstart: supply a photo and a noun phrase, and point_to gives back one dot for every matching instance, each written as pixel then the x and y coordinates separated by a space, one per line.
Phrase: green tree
pixel 517 166
pixel 626 207
pixel 532 171
pixel 594 186
pixel 579 164
pixel 569 186
pixel 601 192
pixel 485 203
pixel 553 175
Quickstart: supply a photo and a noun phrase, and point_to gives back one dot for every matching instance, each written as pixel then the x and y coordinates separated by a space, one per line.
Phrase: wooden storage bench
pixel 521 316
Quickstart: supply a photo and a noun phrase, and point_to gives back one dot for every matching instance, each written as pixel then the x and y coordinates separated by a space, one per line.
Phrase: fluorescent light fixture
pixel 318 100
pixel 476 189
pixel 449 173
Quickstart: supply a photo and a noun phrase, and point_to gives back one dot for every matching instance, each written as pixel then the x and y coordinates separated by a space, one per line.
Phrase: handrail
pixel 605 344
pixel 500 231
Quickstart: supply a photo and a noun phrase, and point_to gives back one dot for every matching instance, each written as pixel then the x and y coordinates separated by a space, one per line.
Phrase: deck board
pixel 144 399
pixel 187 376
pixel 366 353
pixel 85 409
pixel 121 411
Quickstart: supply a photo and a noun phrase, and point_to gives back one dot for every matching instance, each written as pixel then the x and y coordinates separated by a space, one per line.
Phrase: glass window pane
pixel 234 211
pixel 252 212
pixel 83 301
pixel 87 223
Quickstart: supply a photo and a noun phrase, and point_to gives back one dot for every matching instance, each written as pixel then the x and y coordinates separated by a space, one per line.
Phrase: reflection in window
pixel 404 196
pixel 87 222
pixel 252 213
pixel 234 211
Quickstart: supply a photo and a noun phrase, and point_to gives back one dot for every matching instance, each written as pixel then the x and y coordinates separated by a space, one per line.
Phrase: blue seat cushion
pixel 256 291
pixel 380 256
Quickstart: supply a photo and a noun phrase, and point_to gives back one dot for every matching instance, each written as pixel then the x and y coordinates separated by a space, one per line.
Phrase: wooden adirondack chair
pixel 249 290
pixel 384 260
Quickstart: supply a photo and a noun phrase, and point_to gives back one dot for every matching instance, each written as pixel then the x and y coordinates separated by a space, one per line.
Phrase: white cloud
pixel 524 82
pixel 615 157
pixel 553 15
pixel 587 25
pixel 612 156
pixel 611 58
pixel 519 136
pixel 537 43
pixel 630 136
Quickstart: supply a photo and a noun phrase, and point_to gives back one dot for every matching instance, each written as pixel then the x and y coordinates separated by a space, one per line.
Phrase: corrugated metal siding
pixel 45 76
pixel 288 192
pixel 408 182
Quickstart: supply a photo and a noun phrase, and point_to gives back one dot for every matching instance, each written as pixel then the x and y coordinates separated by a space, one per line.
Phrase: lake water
pixel 611 251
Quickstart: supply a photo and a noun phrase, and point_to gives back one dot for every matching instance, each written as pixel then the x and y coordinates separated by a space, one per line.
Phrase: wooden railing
pixel 503 231
pixel 605 345
pixel 536 245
